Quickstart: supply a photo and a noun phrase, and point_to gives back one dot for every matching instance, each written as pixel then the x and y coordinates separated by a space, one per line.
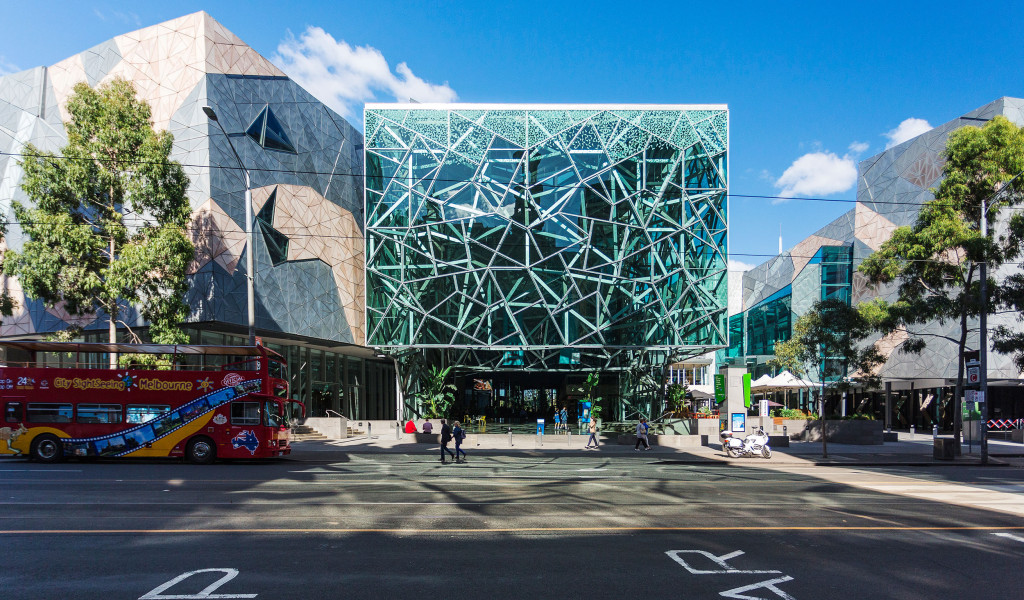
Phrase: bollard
pixel 785 431
pixel 369 431
pixel 911 431
pixel 398 430
pixel 509 437
pixel 935 431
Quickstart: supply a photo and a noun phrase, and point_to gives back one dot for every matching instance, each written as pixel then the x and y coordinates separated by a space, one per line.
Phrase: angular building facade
pixel 892 187
pixel 529 244
pixel 305 162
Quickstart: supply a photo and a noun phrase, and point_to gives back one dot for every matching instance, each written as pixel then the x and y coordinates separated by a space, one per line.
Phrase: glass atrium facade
pixel 546 238
pixel 549 237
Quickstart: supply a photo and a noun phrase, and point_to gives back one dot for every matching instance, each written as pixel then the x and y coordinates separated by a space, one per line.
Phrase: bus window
pixel 99 413
pixel 277 370
pixel 14 412
pixel 273 412
pixel 49 413
pixel 140 413
pixel 245 413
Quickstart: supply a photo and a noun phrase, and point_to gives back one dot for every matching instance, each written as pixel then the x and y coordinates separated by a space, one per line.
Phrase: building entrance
pixel 516 398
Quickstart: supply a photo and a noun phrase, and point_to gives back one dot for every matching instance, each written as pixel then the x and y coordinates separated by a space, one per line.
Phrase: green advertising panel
pixel 719 389
pixel 746 390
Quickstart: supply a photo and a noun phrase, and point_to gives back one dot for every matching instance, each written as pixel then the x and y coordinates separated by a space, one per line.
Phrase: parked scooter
pixel 755 444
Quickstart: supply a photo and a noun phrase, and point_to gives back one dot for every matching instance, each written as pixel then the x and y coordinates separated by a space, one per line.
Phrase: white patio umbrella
pixel 761 384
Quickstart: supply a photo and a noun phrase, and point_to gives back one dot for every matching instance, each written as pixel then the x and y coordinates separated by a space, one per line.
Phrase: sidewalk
pixel 910 450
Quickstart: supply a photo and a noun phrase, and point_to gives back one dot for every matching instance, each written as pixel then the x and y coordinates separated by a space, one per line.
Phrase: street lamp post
pixel 983 345
pixel 250 276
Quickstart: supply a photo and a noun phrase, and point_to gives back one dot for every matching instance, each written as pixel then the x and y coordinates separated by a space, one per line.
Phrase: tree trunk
pixel 958 391
pixel 824 429
pixel 112 315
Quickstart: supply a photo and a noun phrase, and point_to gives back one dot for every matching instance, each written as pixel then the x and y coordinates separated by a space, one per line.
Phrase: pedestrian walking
pixel 446 436
pixel 593 433
pixel 459 434
pixel 641 435
pixel 565 419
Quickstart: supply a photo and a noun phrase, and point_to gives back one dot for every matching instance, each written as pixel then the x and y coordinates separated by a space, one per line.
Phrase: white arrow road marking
pixel 770 584
pixel 206 593
pixel 719 560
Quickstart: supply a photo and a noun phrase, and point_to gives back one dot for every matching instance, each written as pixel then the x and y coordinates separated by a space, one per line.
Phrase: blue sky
pixel 812 87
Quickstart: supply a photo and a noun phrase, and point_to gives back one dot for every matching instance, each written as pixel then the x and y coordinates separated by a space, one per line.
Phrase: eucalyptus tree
pixel 936 263
pixel 828 343
pixel 106 225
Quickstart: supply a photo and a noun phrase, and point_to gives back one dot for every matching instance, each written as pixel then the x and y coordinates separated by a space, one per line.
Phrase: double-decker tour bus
pixel 207 402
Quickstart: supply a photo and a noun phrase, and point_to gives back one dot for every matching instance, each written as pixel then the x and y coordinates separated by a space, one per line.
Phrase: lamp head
pixel 209 113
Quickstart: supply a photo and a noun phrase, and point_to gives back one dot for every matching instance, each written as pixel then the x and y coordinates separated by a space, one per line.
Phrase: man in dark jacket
pixel 446 436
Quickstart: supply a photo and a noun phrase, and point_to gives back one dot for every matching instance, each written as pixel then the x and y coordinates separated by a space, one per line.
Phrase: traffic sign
pixel 973 375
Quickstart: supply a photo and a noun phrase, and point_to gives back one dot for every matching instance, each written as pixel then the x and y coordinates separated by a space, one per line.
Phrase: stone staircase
pixel 353 432
pixel 303 433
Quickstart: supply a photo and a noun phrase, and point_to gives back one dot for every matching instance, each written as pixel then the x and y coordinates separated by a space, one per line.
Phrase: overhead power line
pixel 478 180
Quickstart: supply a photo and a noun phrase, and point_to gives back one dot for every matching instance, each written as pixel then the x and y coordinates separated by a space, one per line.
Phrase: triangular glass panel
pixel 274 138
pixel 255 130
pixel 266 214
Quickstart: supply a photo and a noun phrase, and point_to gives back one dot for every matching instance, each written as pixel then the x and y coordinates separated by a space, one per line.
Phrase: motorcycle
pixel 753 445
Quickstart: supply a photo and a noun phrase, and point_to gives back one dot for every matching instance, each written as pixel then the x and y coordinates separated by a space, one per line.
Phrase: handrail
pixel 329 411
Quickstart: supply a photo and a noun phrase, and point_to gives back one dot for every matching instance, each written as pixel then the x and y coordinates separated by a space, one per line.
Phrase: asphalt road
pixel 397 526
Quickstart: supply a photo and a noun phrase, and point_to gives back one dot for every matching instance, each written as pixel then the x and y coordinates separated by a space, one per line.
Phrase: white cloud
pixel 817 174
pixel 909 128
pixel 6 68
pixel 858 147
pixel 344 77
pixel 740 266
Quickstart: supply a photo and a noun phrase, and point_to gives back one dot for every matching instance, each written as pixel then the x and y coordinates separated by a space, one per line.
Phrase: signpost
pixel 720 393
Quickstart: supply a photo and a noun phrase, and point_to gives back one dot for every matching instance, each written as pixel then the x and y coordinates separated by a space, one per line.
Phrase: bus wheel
pixel 47 448
pixel 201 451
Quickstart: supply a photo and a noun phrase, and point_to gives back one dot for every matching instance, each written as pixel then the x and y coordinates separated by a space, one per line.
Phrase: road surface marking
pixel 721 561
pixel 1011 536
pixel 157 593
pixel 489 530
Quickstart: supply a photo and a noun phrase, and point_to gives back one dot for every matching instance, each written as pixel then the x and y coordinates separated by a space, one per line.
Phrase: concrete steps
pixel 302 433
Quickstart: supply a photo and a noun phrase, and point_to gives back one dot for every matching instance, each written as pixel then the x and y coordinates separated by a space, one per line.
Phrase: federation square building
pixel 526 246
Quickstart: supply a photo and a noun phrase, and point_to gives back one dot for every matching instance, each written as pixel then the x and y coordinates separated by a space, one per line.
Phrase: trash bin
pixel 944 448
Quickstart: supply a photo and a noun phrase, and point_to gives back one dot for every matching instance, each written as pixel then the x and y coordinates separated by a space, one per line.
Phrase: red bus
pixel 209 402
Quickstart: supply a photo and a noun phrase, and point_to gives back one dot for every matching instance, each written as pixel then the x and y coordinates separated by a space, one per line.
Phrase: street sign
pixel 746 390
pixel 973 375
pixel 719 389
pixel 974 396
pixel 764 409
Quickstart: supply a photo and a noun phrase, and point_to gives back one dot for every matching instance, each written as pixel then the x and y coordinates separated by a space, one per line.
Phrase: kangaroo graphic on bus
pixel 246 439
pixel 9 434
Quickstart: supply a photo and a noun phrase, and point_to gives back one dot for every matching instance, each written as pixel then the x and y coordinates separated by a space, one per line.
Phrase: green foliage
pixel 435 392
pixel 789 413
pixel 826 342
pixel 787 358
pixel 160 362
pixel 589 387
pixel 106 224
pixel 935 262
pixel 676 394
pixel 859 417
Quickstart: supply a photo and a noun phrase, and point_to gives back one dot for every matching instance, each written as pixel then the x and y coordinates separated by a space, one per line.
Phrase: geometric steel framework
pixel 546 237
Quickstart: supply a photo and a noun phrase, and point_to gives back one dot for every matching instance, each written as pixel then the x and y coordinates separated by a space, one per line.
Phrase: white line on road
pixel 1011 536
pixel 40 470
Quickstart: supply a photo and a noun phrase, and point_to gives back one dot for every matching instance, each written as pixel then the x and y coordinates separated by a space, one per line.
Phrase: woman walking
pixel 641 434
pixel 593 433
pixel 459 434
